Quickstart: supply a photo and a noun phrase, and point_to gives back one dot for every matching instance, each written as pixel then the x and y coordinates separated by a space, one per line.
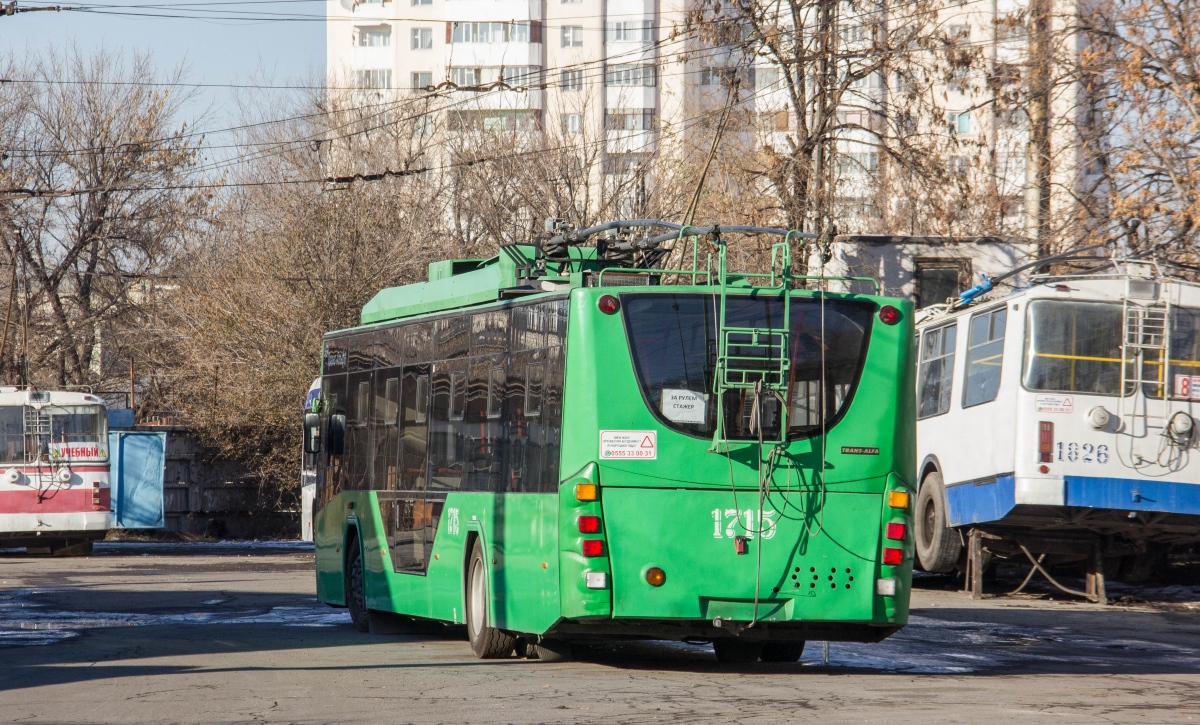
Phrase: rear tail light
pixel 889 315
pixel 1045 441
pixel 593 547
pixel 589 524
pixel 893 557
pixel 896 532
pixel 608 304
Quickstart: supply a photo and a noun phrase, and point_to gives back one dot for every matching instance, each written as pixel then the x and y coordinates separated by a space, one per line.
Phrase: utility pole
pixel 1037 150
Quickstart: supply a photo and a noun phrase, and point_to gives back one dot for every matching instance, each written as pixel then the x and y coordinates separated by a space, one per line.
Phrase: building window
pixel 936 280
pixel 375 37
pixel 422 38
pixel 625 31
pixel 766 78
pixel 517 75
pixel 958 165
pixel 572 36
pixel 856 163
pixel 959 122
pixel 638 120
pixel 490 32
pixel 985 353
pixel 373 79
pixel 421 80
pixel 572 80
pixel 936 376
pixel 422 2
pixel 630 75
pixel 572 124
pixel 958 32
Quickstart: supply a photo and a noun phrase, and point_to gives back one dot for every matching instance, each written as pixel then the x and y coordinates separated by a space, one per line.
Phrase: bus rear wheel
pixel 736 651
pixel 782 651
pixel 356 597
pixel 487 642
pixel 938 546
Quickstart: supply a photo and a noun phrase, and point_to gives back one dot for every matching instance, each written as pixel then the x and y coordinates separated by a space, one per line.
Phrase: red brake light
pixel 893 557
pixel 1045 441
pixel 608 304
pixel 889 315
pixel 589 524
pixel 896 532
pixel 593 547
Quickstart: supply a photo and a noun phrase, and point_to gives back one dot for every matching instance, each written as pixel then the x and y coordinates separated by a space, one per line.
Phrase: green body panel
pixel 829 574
pixel 519 535
pixel 659 512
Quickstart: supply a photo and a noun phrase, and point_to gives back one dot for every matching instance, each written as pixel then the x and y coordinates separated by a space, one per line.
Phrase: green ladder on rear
pixel 754 358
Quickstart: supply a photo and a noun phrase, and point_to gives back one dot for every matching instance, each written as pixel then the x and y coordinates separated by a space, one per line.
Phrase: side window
pixel 422 402
pixel 533 390
pixel 985 351
pixel 391 402
pixel 458 395
pixel 937 371
pixel 362 403
pixel 495 399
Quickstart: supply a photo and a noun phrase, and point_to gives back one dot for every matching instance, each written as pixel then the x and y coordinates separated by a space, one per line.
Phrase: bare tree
pixel 101 196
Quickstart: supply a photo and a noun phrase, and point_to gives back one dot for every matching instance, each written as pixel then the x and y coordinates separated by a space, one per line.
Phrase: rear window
pixel 673 341
pixel 1073 347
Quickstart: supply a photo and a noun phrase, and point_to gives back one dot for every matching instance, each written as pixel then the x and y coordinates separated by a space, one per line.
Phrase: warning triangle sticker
pixel 647 443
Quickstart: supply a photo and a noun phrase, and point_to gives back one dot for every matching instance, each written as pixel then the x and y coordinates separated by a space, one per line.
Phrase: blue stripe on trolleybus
pixel 991 499
pixel 1127 494
pixel 974 502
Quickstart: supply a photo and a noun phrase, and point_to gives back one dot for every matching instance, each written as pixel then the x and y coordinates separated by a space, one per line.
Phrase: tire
pixel 356 596
pixel 736 651
pixel 553 650
pixel 487 642
pixel 782 651
pixel 938 546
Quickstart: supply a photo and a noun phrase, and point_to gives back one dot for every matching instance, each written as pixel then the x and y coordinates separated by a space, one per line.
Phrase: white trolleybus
pixel 1057 424
pixel 54 470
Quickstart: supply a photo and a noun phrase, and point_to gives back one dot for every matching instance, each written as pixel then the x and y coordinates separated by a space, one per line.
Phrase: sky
pixel 215 48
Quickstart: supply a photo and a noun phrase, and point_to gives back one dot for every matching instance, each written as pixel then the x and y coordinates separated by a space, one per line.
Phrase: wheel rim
pixel 929 522
pixel 475 614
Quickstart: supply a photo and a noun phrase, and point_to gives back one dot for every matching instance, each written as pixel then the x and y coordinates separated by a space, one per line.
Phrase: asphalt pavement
pixel 231 633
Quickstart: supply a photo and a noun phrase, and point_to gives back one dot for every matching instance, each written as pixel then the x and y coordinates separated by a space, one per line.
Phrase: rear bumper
pixel 1134 508
pixel 77 524
pixel 581 631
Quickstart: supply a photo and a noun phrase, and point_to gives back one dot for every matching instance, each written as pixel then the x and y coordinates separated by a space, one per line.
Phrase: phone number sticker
pixel 629 444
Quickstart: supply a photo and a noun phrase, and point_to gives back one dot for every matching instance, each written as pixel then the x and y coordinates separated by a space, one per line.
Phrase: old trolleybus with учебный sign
pixel 1057 424
pixel 556 445
pixel 54 470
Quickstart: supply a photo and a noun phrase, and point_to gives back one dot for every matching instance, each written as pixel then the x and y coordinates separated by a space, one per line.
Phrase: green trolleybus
pixel 564 444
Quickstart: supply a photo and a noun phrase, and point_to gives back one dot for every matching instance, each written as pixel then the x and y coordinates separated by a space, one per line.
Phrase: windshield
pixel 1073 347
pixel 59 432
pixel 1185 359
pixel 673 340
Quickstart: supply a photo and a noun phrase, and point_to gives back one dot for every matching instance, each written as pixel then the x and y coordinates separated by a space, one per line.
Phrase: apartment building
pixel 609 72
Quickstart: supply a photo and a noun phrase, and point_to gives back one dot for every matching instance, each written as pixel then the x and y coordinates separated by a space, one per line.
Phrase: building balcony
pixel 497 100
pixel 631 142
pixel 497 10
pixel 630 97
pixel 494 54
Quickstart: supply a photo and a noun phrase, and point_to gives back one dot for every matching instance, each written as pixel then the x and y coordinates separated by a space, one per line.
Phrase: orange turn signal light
pixel 898 499
pixel 586 492
pixel 655 576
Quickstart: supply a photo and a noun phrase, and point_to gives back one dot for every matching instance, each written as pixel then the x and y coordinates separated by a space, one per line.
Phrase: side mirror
pixel 312 433
pixel 337 435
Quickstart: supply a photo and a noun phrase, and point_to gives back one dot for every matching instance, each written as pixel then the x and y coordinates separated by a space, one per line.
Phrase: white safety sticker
pixel 1187 387
pixel 1054 403
pixel 683 406
pixel 633 444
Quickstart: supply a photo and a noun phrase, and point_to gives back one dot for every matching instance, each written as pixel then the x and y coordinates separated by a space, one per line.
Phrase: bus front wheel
pixel 736 651
pixel 938 546
pixel 487 642
pixel 782 651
